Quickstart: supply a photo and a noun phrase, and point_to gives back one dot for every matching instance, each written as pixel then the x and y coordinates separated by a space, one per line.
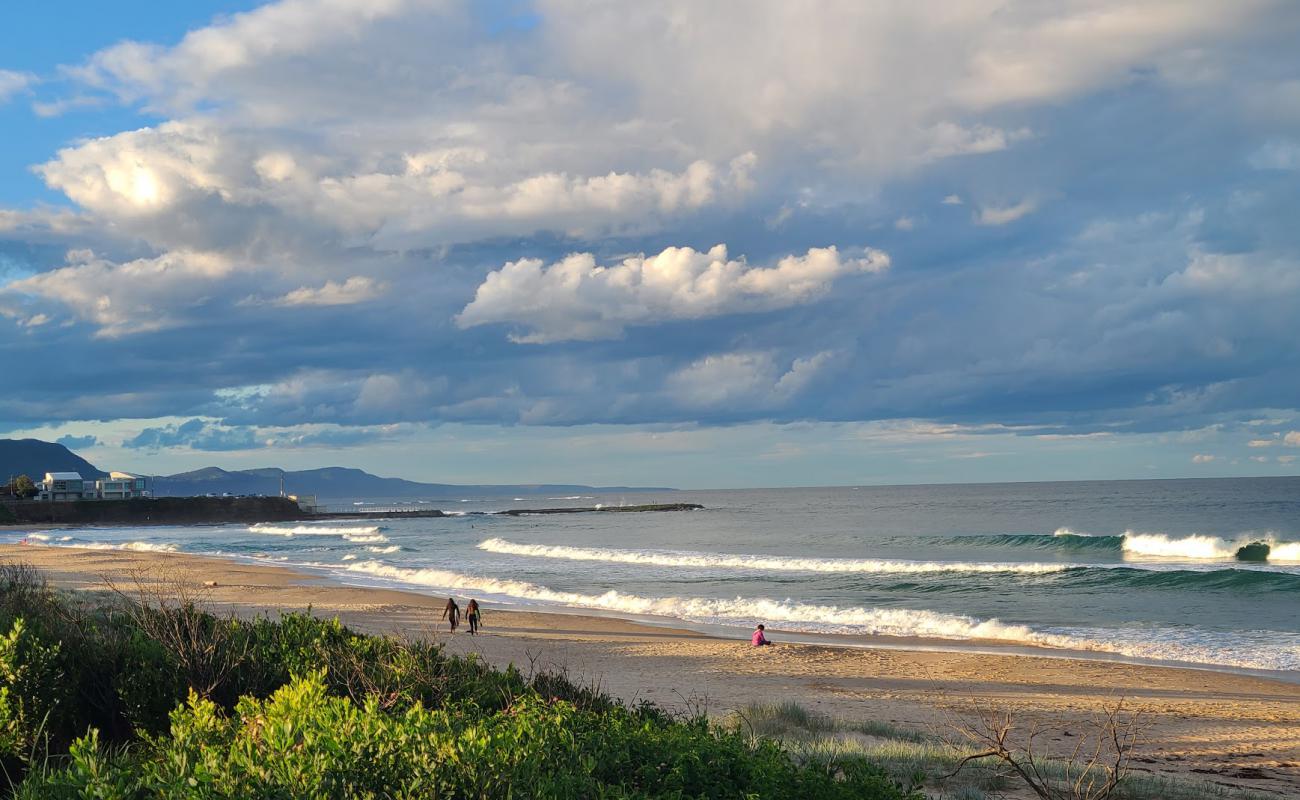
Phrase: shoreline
pixel 987 647
pixel 1202 719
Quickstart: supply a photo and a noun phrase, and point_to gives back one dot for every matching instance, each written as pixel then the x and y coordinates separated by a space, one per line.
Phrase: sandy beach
pixel 1240 731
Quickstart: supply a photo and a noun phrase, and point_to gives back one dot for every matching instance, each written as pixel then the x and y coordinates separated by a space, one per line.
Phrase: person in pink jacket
pixel 759 639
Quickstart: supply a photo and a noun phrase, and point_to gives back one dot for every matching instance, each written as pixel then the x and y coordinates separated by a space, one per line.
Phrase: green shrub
pixel 31 694
pixel 303 742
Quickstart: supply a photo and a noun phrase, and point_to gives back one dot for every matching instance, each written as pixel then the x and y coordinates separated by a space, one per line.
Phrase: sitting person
pixel 759 640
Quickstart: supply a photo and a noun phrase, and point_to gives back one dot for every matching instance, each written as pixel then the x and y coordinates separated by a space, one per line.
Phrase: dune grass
pixel 929 758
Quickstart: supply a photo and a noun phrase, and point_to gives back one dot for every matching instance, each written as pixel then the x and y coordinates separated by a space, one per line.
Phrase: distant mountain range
pixel 35 458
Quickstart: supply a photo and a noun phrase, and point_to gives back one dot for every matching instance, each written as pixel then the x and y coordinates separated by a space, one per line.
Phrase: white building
pixel 62 486
pixel 65 486
pixel 122 486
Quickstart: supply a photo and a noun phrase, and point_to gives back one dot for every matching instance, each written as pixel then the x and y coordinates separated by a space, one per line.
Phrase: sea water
pixel 1204 572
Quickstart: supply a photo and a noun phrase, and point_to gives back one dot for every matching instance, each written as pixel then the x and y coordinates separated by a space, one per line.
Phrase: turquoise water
pixel 1194 571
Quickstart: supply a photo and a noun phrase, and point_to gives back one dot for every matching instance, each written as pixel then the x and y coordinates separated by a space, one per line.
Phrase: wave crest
pixel 684 558
pixel 139 547
pixel 359 534
pixel 1194 546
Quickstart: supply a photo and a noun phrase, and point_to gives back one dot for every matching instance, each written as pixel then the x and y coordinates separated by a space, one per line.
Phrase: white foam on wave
pixel 359 534
pixel 1194 546
pixel 1069 532
pixel 392 548
pixel 140 547
pixel 1284 551
pixel 673 558
pixel 1263 650
pixel 39 537
pixel 1201 546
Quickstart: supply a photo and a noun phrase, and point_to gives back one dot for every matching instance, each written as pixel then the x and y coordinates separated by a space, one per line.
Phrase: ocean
pixel 1203 572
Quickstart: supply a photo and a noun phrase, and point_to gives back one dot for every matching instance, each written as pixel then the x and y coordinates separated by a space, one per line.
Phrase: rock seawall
pixel 159 511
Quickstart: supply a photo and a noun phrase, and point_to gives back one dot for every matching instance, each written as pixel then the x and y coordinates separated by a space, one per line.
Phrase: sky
pixel 674 243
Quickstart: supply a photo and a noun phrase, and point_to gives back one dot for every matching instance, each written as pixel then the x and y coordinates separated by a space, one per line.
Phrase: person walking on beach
pixel 472 615
pixel 451 613
pixel 758 639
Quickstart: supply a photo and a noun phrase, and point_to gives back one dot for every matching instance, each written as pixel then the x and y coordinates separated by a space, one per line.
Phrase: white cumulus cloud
pixel 576 298
pixel 120 299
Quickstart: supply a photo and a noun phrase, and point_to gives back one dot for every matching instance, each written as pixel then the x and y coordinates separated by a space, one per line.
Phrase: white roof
pixel 123 476
pixel 63 476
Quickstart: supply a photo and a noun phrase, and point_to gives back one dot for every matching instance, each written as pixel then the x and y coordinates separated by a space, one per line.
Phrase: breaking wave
pixel 1194 546
pixel 675 558
pixel 1245 649
pixel 139 547
pixel 308 530
pixel 360 534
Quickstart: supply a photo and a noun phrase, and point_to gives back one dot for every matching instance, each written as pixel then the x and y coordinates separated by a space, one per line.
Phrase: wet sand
pixel 1236 730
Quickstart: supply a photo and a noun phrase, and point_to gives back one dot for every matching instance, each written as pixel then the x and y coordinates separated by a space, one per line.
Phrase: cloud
pixel 720 381
pixel 312 152
pixel 147 294
pixel 208 436
pixel 1201 458
pixel 77 442
pixel 1292 439
pixel 577 299
pixel 357 289
pixel 195 434
pixel 182 75
pixel 1277 154
pixel 1003 215
pixel 11 83
pixel 948 139
pixel 1286 459
pixel 225 183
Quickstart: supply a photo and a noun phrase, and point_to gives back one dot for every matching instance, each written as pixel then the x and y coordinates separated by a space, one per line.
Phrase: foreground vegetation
pixel 151 697
pixel 942 757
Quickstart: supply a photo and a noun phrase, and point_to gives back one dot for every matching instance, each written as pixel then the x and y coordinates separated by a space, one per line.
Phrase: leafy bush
pixel 31 694
pixel 303 742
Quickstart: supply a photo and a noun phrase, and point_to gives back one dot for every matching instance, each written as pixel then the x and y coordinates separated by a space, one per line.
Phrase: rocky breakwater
pixel 519 512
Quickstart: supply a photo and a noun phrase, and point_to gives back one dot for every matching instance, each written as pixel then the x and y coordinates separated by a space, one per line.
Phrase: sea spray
pixel 682 558
pixel 1140 545
pixel 1194 546
pixel 1284 551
